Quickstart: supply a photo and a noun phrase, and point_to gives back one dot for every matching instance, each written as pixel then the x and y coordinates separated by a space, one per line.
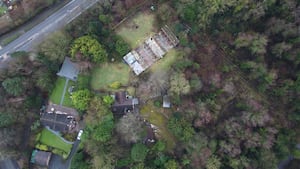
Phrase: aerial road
pixel 56 21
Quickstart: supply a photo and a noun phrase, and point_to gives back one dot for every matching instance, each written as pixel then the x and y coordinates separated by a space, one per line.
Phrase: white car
pixel 79 134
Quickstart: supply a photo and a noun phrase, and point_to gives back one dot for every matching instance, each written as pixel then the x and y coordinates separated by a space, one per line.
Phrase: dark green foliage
pixel 159 146
pixel 160 160
pixel 79 161
pixel 139 152
pixel 124 162
pixel 190 13
pixel 33 101
pixel 83 82
pixel 182 129
pixel 157 103
pixel 103 131
pixel 196 83
pixel 99 121
pixel 14 86
pixel 6 119
pixel 285 143
pixel 122 47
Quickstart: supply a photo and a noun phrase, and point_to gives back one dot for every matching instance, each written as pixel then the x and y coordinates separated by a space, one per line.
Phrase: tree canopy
pixel 139 152
pixel 90 49
pixel 14 86
pixel 81 99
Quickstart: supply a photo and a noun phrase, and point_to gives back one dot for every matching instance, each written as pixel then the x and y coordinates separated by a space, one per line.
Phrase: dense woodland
pixel 235 92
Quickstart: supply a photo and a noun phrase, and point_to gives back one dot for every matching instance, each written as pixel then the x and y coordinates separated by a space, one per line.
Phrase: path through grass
pixel 105 74
pixel 137 29
pixel 58 91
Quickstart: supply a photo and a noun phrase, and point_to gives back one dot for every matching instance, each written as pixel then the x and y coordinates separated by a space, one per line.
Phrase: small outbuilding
pixel 166 101
pixel 69 70
pixel 41 158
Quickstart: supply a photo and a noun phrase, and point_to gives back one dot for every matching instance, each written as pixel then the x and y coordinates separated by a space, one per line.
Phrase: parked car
pixel 79 134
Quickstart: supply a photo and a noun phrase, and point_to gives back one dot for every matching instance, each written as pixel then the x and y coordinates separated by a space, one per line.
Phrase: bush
pixel 108 100
pixel 42 147
pixel 115 85
pixel 157 103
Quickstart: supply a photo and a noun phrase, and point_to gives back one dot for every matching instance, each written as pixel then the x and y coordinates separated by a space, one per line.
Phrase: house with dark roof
pixel 59 118
pixel 123 103
pixel 69 70
pixel 41 158
pixel 9 164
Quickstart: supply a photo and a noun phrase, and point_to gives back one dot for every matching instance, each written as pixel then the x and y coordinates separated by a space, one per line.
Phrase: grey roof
pixel 68 70
pixel 41 158
pixel 9 164
pixel 166 101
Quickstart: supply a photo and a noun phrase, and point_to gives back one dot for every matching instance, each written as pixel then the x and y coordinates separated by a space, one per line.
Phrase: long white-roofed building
pixel 153 49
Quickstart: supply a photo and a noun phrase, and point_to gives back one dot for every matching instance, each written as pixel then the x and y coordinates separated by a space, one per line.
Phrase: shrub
pixel 157 103
pixel 115 85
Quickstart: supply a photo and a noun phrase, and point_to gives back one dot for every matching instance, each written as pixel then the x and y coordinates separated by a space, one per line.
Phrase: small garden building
pixel 41 158
pixel 69 70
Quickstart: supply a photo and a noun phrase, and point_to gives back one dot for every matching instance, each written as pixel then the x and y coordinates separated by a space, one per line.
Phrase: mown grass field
pixel 105 74
pixel 57 92
pixel 50 139
pixel 137 29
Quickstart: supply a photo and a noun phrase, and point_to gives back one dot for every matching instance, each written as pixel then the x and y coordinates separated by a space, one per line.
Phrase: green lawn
pixel 105 74
pixel 165 63
pixel 155 116
pixel 58 91
pixel 137 29
pixel 50 139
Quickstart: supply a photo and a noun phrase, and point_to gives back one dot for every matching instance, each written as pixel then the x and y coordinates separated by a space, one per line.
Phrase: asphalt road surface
pixel 59 19
pixel 57 162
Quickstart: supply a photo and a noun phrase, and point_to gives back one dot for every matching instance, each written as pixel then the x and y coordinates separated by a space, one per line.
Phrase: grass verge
pixel 9 39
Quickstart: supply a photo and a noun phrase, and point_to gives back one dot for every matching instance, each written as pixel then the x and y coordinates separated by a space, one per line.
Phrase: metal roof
pixel 68 70
pixel 150 51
